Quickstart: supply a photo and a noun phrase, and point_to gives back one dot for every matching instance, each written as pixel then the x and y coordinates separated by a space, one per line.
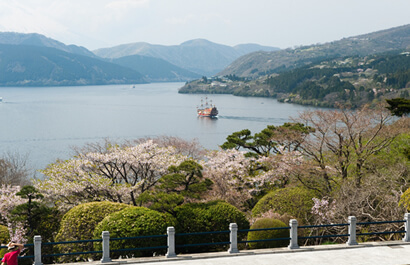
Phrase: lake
pixel 45 122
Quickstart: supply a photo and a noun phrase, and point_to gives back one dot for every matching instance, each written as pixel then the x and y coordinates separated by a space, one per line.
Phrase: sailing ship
pixel 207 109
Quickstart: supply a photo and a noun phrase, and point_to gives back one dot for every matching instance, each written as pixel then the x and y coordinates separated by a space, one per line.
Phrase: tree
pixel 230 172
pixel 184 183
pixel 192 148
pixel 344 141
pixel 35 216
pixel 13 169
pixel 399 106
pixel 118 174
pixel 28 211
pixel 138 166
pixel 272 139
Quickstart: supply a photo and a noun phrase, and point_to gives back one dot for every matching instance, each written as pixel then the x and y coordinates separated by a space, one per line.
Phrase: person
pixel 10 258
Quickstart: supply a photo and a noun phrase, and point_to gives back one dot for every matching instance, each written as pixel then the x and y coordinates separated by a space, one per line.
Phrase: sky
pixel 279 23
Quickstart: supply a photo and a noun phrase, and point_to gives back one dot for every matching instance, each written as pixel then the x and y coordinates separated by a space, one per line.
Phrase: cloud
pixel 21 18
pixel 180 20
pixel 127 4
pixel 201 19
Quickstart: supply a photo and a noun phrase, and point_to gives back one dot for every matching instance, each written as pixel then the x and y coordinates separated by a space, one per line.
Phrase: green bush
pixel 206 217
pixel 295 201
pixel 133 222
pixel 79 224
pixel 268 234
pixel 4 238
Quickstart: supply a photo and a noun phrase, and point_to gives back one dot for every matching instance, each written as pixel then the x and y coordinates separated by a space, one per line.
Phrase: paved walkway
pixel 377 253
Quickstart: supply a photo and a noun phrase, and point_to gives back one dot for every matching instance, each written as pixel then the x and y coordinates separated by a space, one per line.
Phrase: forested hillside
pixel 349 81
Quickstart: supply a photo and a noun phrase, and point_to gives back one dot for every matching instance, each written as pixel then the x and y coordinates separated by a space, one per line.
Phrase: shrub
pixel 295 201
pixel 133 222
pixel 4 238
pixel 268 234
pixel 79 224
pixel 206 217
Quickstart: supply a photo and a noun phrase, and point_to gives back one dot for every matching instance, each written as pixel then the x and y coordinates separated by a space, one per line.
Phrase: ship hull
pixel 208 112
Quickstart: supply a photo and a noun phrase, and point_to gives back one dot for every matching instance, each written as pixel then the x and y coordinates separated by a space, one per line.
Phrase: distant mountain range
pixel 262 63
pixel 199 56
pixel 35 60
pixel 26 65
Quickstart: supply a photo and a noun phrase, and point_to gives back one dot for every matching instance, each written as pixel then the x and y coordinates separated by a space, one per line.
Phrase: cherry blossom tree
pixel 237 177
pixel 119 174
pixel 229 170
pixel 8 201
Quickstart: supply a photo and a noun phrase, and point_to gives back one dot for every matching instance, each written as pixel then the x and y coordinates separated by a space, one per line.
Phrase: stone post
pixel 406 237
pixel 233 237
pixel 106 247
pixel 37 250
pixel 171 242
pixel 352 231
pixel 293 223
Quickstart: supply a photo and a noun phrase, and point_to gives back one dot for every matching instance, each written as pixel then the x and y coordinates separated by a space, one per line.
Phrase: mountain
pixel 262 63
pixel 155 69
pixel 252 47
pixel 199 56
pixel 35 39
pixel 27 65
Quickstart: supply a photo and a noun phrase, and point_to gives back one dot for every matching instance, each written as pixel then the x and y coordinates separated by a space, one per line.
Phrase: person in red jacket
pixel 10 258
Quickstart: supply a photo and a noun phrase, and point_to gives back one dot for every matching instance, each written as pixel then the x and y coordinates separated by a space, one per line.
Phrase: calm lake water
pixel 45 122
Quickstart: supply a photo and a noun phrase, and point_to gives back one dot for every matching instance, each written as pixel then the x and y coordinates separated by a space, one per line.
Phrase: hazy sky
pixel 280 23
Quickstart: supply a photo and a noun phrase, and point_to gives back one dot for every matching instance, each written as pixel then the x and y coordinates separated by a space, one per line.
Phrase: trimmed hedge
pixel 295 201
pixel 79 224
pixel 4 238
pixel 133 222
pixel 268 234
pixel 206 217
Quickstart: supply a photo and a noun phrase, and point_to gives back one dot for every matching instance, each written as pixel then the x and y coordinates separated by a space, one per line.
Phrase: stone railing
pixel 233 238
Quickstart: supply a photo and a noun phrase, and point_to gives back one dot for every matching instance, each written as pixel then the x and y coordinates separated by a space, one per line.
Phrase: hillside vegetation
pixel 351 81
